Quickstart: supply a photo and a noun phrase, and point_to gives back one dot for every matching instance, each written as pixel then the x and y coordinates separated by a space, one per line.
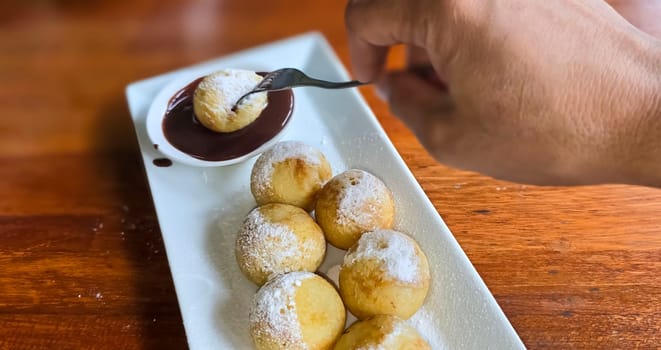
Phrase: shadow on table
pixel 150 303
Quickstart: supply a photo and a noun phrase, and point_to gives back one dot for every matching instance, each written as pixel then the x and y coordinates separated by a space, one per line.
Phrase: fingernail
pixel 381 94
pixel 381 89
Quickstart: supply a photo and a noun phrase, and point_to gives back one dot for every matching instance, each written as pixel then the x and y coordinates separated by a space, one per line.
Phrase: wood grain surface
pixel 81 258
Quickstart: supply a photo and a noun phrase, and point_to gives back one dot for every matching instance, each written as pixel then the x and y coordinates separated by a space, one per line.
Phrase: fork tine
pixel 263 85
pixel 287 78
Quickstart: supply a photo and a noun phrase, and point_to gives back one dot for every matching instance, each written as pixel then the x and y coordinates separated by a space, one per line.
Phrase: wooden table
pixel 81 259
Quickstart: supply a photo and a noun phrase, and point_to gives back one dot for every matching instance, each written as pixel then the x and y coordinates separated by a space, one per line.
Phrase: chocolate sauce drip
pixel 162 162
pixel 185 133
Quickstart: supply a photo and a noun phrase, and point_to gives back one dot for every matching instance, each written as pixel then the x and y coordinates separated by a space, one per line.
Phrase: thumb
pixel 424 107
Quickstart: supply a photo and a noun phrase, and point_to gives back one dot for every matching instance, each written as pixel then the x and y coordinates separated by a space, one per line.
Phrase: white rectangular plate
pixel 200 209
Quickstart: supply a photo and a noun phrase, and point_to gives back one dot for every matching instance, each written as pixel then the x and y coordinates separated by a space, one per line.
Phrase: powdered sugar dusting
pixel 232 84
pixel 393 250
pixel 388 341
pixel 428 325
pixel 273 311
pixel 265 244
pixel 398 328
pixel 360 201
pixel 263 168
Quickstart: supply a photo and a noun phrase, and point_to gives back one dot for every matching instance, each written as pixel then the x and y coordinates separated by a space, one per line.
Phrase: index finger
pixel 375 25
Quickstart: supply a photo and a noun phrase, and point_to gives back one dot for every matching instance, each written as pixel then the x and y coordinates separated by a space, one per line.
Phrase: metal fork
pixel 287 78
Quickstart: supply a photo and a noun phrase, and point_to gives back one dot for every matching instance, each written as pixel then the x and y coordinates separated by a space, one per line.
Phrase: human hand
pixel 556 92
pixel 643 14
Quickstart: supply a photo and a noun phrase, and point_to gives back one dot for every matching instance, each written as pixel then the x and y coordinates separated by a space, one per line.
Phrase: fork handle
pixel 330 85
pixel 306 82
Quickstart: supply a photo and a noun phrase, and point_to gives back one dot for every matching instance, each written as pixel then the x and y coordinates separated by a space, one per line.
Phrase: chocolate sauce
pixel 185 133
pixel 162 162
